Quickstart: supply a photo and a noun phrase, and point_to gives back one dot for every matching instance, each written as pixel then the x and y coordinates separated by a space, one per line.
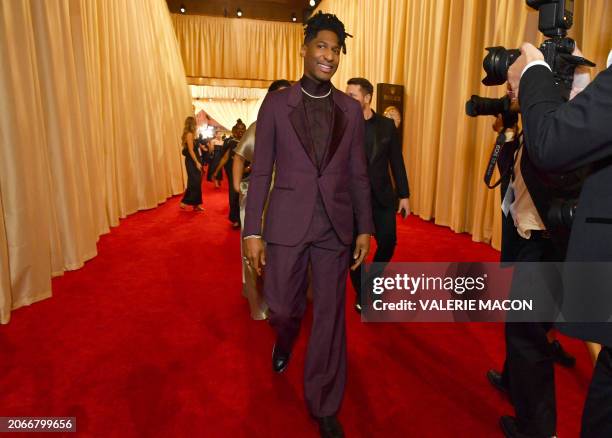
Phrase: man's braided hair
pixel 321 21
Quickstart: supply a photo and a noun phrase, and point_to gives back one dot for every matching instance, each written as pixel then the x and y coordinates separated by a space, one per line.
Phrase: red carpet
pixel 152 338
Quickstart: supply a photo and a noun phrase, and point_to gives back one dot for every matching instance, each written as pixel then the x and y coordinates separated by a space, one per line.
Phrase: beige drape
pixel 227 112
pixel 92 101
pixel 232 48
pixel 435 49
pixel 227 104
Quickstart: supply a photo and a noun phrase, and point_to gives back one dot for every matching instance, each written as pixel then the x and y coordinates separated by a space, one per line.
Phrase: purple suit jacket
pixel 282 139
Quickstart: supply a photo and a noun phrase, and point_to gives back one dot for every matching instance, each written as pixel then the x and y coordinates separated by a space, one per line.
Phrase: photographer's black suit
pixel 383 151
pixel 563 136
pixel 528 370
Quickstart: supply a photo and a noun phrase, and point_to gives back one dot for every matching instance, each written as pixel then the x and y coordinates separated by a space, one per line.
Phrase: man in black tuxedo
pixel 562 136
pixel 383 151
pixel 528 237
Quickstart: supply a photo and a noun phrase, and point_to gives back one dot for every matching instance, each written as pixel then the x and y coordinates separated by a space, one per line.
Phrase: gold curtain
pixel 435 49
pixel 92 101
pixel 239 48
pixel 238 93
pixel 228 104
pixel 227 112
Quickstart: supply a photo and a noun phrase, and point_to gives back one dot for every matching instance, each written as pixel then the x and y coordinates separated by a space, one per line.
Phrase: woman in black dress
pixel 193 193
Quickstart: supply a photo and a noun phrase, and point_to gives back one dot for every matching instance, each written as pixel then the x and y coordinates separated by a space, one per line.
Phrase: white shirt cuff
pixel 252 236
pixel 532 63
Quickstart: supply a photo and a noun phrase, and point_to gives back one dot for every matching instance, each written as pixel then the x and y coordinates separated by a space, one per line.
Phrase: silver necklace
pixel 316 97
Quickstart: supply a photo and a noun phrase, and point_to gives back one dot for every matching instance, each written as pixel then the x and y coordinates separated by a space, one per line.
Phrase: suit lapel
pixel 297 117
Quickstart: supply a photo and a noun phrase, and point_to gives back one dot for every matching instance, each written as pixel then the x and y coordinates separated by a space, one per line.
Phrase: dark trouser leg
pixel 386 239
pixel 597 414
pixel 234 206
pixel 531 377
pixel 325 368
pixel 285 291
pixel 504 375
pixel 233 195
pixel 528 354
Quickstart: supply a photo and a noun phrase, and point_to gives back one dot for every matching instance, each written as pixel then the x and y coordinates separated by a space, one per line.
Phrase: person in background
pixel 193 192
pixel 383 150
pixel 243 159
pixel 227 158
pixel 215 147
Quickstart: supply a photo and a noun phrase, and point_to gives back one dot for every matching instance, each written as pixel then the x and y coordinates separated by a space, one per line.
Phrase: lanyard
pixel 499 144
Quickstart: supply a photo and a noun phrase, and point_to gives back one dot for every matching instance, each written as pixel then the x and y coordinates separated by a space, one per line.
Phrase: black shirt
pixel 319 115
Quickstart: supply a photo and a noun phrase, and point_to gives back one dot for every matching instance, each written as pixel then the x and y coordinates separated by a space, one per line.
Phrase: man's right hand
pixel 529 53
pixel 255 253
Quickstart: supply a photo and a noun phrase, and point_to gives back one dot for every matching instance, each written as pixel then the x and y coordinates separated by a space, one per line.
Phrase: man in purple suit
pixel 313 134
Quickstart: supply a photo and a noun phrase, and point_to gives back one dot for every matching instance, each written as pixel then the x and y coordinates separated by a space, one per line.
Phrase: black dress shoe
pixel 497 381
pixel 280 360
pixel 330 427
pixel 561 356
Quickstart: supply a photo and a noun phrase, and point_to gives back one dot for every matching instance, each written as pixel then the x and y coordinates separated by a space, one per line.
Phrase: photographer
pixel 527 196
pixel 562 136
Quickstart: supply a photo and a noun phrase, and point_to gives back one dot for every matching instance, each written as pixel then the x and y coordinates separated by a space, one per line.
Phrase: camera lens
pixel 496 64
pixel 484 106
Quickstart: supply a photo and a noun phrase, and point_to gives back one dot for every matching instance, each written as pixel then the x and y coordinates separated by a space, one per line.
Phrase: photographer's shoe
pixel 496 379
pixel 280 360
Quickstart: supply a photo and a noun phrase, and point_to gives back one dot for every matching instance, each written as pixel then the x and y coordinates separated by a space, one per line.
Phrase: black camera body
pixel 555 19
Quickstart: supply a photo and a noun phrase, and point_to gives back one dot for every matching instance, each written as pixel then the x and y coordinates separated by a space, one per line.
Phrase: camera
pixel 484 106
pixel 554 20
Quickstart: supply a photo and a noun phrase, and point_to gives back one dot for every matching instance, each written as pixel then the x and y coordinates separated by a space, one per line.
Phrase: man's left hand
pixel 529 53
pixel 362 247
pixel 404 204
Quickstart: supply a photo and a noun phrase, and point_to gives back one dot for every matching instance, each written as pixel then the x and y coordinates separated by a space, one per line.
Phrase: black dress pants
pixel 386 239
pixel 529 370
pixel 233 195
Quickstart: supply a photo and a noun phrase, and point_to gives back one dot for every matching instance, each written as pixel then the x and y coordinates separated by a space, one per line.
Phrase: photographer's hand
pixel 498 125
pixel 582 76
pixel 529 53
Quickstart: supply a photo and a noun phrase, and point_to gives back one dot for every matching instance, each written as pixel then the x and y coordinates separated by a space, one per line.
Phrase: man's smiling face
pixel 321 56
